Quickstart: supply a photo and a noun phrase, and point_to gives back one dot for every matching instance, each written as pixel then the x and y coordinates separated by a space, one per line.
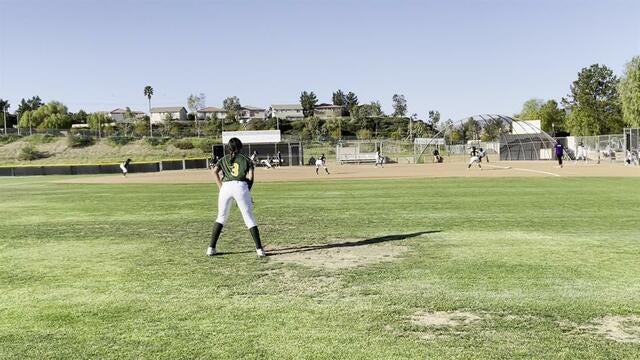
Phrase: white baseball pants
pixel 238 191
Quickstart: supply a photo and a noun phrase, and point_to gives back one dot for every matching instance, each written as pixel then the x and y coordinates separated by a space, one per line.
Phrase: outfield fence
pixel 90 169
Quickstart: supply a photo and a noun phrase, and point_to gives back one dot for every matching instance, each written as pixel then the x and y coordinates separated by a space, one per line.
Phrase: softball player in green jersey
pixel 235 184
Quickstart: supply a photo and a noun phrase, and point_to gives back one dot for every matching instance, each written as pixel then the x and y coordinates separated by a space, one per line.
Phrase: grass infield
pixel 476 268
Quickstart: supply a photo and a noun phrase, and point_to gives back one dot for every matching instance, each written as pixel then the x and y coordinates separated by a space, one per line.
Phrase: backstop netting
pixel 594 149
pixel 502 138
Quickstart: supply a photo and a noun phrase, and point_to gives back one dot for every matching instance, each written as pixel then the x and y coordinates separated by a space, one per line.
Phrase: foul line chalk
pixel 522 169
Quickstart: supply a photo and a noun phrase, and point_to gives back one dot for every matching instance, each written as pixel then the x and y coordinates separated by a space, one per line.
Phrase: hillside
pixel 56 150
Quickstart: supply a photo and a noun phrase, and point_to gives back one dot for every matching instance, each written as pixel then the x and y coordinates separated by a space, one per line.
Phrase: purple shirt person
pixel 559 152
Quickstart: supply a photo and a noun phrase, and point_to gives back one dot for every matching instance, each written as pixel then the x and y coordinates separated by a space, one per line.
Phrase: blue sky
pixel 459 57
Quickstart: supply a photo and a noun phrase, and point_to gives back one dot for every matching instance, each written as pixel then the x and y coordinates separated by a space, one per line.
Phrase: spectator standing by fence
pixel 559 152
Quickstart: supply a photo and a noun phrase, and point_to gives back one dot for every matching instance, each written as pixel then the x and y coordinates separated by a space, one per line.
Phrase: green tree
pixel 365 111
pixel 351 101
pixel 593 104
pixel 53 115
pixel 34 103
pixel 333 128
pixel 169 127
pixel 420 129
pixel 213 126
pixel 531 110
pixel 4 108
pixel 56 121
pixel 148 93
pixel 97 121
pixel 434 118
pixel 141 127
pixel 340 99
pixel 232 106
pixel 365 134
pixel 552 118
pixel 195 103
pixel 4 105
pixel 399 105
pixel 308 101
pixel 630 93
pixel 471 130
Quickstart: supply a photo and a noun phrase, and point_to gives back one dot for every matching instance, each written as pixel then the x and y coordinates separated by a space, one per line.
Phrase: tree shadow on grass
pixel 347 244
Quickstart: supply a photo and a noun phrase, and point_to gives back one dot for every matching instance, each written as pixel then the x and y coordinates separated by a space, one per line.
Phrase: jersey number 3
pixel 235 169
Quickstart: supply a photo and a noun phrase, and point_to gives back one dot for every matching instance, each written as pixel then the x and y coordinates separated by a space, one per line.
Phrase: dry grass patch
pixel 288 281
pixel 444 318
pixel 622 329
pixel 339 257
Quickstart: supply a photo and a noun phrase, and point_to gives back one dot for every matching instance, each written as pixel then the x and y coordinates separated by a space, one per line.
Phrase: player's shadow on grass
pixel 346 244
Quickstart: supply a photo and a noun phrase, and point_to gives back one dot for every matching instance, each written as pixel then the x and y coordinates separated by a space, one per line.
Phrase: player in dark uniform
pixel 475 159
pixel 322 161
pixel 559 152
pixel 125 167
pixel 482 154
pixel 436 156
pixel 237 180
pixel 279 157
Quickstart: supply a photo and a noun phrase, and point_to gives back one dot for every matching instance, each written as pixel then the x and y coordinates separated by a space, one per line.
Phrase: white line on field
pixel 529 170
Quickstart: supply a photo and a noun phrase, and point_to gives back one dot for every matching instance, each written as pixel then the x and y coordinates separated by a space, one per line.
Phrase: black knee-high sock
pixel 215 234
pixel 255 234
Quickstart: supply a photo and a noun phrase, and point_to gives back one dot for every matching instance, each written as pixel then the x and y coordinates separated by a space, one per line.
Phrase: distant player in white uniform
pixel 379 158
pixel 125 167
pixel 322 161
pixel 237 180
pixel 482 154
pixel 475 159
pixel 267 163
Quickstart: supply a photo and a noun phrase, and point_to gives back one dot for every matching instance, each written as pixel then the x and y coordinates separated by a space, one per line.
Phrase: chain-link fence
pixel 364 151
pixel 595 149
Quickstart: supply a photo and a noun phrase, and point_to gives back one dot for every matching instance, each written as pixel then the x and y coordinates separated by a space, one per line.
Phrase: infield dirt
pixel 305 173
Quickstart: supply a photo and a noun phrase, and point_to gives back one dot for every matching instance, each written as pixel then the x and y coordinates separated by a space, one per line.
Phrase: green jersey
pixel 236 170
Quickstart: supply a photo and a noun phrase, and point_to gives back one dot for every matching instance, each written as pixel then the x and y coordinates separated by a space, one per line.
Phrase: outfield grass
pixel 118 271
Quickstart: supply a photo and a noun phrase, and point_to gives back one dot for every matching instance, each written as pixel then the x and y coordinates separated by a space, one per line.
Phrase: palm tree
pixel 148 92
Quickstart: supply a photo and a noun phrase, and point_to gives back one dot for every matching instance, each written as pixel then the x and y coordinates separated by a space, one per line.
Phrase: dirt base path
pixel 302 173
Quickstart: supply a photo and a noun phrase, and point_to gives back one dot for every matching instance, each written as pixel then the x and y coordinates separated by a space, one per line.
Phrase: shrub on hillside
pixel 6 139
pixel 41 138
pixel 205 145
pixel 121 140
pixel 184 144
pixel 76 141
pixel 155 141
pixel 29 153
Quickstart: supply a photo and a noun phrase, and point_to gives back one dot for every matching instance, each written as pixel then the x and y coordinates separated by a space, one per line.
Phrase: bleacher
pixel 352 158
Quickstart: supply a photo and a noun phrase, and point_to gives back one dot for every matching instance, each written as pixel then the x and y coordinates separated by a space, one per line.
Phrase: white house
pixel 327 111
pixel 119 114
pixel 211 112
pixel 159 113
pixel 248 113
pixel 289 112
